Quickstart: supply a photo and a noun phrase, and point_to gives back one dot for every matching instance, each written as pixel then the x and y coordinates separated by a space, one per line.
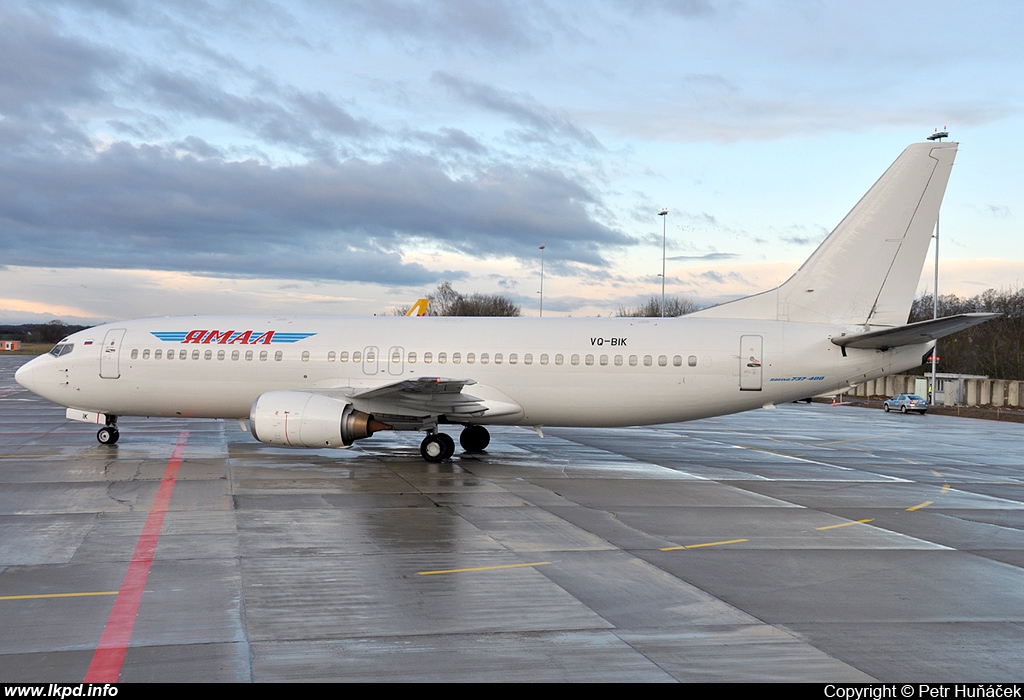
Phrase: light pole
pixel 542 245
pixel 664 219
pixel 937 136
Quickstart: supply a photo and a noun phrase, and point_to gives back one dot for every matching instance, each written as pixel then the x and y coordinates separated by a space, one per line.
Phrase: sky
pixel 344 157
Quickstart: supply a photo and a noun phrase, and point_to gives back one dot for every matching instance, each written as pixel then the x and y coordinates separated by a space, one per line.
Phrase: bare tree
pixel 995 348
pixel 674 306
pixel 447 301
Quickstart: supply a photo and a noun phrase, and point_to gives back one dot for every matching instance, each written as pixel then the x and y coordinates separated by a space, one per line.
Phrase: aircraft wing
pixel 912 333
pixel 422 400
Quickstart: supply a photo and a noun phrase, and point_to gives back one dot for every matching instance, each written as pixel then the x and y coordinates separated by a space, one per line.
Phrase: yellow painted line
pixel 57 595
pixel 945 488
pixel 481 568
pixel 935 472
pixel 704 544
pixel 855 522
pixel 908 461
pixel 921 505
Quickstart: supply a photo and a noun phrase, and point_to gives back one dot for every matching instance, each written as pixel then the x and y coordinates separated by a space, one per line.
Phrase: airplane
pixel 318 382
pixel 419 308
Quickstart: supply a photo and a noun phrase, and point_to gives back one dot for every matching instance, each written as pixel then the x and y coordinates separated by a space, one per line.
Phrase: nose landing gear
pixel 108 434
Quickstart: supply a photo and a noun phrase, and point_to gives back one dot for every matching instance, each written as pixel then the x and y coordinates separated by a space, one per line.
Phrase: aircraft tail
pixel 866 271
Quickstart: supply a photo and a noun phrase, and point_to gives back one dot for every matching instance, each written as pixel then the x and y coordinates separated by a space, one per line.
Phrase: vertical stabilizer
pixel 866 271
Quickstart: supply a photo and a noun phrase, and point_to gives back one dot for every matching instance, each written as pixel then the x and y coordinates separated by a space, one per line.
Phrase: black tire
pixel 903 410
pixel 886 407
pixel 432 449
pixel 107 435
pixel 437 447
pixel 474 438
pixel 449 445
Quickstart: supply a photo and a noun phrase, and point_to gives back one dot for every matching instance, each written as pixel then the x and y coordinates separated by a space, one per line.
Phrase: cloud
pixel 706 256
pixel 542 123
pixel 159 208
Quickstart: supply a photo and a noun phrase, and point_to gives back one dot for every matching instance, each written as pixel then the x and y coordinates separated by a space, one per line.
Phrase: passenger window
pixel 677 360
pixel 442 357
pixel 589 360
pixel 513 358
pixel 618 360
pixel 428 357
pixel 411 357
pixel 632 360
pixel 343 357
pixel 371 356
pixel 559 359
pixel 158 354
pixel 357 356
pixel 691 360
pixel 183 354
pixel 574 360
pixel 220 354
pixel 208 355
pixel 305 356
pixel 544 359
pixel 248 355
pixel 497 358
pixel 648 360
pixel 456 357
pixel 145 354
pixel 195 354
pixel 484 358
pixel 234 355
pixel 135 353
pixel 396 356
pixel 662 361
pixel 278 355
pixel 331 356
pixel 604 360
pixel 528 359
pixel 470 357
pixel 263 355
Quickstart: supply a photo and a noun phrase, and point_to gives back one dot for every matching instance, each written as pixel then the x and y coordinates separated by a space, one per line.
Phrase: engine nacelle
pixel 301 419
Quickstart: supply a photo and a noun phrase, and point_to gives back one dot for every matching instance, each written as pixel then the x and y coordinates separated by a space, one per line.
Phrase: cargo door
pixel 751 358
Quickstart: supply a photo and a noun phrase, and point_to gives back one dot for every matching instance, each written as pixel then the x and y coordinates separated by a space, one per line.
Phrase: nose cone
pixel 26 375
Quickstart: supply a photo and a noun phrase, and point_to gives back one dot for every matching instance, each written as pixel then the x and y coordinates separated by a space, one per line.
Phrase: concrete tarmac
pixel 806 543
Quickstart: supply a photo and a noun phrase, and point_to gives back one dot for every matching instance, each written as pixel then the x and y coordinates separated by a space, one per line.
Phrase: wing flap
pixel 424 399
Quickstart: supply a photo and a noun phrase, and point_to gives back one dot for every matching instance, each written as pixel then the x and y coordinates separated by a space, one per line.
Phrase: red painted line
pixel 109 654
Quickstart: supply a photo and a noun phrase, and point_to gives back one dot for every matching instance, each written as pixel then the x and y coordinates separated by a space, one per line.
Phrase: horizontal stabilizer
pixel 913 333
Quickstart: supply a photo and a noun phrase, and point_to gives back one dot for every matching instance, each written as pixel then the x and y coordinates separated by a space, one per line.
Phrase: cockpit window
pixel 62 349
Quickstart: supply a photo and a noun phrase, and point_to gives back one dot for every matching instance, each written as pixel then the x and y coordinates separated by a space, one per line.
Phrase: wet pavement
pixel 807 543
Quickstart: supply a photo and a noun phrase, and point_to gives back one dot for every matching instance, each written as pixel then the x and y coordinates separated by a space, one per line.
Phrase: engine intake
pixel 301 419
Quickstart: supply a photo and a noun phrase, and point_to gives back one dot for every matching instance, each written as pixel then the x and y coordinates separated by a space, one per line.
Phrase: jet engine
pixel 301 419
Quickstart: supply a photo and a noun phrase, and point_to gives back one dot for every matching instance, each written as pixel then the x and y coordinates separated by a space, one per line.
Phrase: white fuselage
pixel 560 372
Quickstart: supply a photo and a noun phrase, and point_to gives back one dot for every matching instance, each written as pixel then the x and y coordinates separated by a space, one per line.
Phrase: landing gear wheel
pixel 107 435
pixel 474 438
pixel 449 444
pixel 437 447
pixel 886 407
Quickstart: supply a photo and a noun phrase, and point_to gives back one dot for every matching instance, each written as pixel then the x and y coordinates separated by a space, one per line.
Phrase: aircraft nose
pixel 26 375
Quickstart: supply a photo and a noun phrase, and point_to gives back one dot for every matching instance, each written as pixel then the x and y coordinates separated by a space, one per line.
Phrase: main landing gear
pixel 438 447
pixel 474 438
pixel 108 435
